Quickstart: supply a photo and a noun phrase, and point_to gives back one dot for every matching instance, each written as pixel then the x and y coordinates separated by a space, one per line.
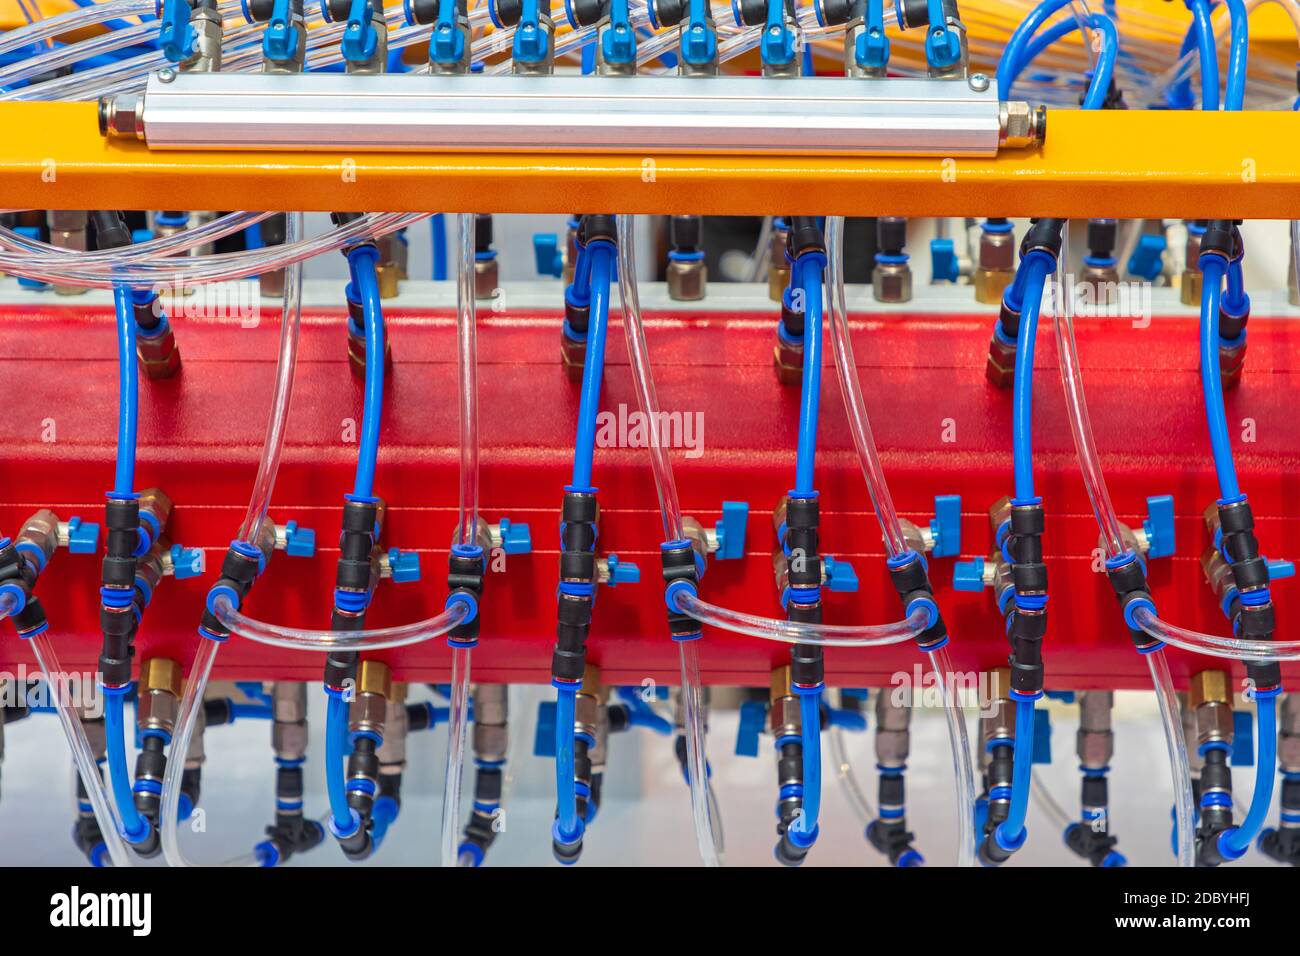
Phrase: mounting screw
pixel 166 75
pixel 979 82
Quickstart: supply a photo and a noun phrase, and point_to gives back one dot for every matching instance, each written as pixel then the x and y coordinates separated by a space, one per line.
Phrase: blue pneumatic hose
pixel 1012 829
pixel 1100 85
pixel 810 716
pixel 1235 842
pixel 566 794
pixel 1234 96
pixel 1209 54
pixel 336 735
pixel 438 227
pixel 135 828
pixel 365 284
pixel 1013 52
pixel 600 254
pixel 1212 269
pixel 808 268
pixel 127 391
pixel 1036 266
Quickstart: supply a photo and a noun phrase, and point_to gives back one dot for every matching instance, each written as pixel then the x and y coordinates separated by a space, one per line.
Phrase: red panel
pixel 200 434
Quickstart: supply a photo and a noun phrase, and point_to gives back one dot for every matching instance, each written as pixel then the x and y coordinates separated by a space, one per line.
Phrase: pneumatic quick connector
pixel 284 40
pixel 592 229
pixel 697 35
pixel 293 832
pixel 1209 698
pixel 1043 239
pixel 155 342
pixel 786 723
pixel 366 716
pixel 1091 838
pixel 491 740
pixel 866 47
pixel 1222 237
pixel 533 47
pixel 1283 844
pixel 781 39
pixel 365 41
pixel 615 37
pixel 888 833
pixel 190 33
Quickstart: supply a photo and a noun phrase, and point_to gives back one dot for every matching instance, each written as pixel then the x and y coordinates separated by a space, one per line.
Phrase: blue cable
pixel 568 825
pixel 808 275
pixel 1179 94
pixel 810 717
pixel 1235 842
pixel 1100 86
pixel 135 828
pixel 1235 95
pixel 365 284
pixel 1012 830
pixel 600 254
pixel 438 224
pixel 1212 270
pixel 1209 55
pixel 1036 266
pixel 1013 52
pixel 127 391
pixel 343 819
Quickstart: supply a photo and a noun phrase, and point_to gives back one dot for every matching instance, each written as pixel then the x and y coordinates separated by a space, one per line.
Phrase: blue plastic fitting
pixel 943 261
pixel 359 36
pixel 968 575
pixel 83 536
pixel 515 538
pixel 621 572
pixel 403 566
pixel 186 562
pixel 546 254
pixel 1159 526
pixel 299 542
pixel 279 39
pixel 1146 261
pixel 544 735
pixel 753 714
pixel 174 31
pixel 840 576
pixel 730 531
pixel 1042 752
pixel 946 526
pixel 447 44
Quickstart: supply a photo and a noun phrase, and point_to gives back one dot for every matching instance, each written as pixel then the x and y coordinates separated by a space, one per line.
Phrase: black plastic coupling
pixel 596 226
pixel 805 236
pixel 425 12
pixel 341 219
pixel 110 229
pixel 192 784
pixel 90 840
pixel 566 854
pixel 679 564
pixel 363 768
pixel 1283 844
pixel 801 543
pixel 31 620
pixel 1216 816
pixel 916 13
pixel 578 516
pixel 892 839
pixel 122 523
pixel 1102 236
pixel 787 853
pixel 1221 238
pixel 356 571
pixel 465 570
pixel 1252 611
pixel 239 569
pixel 1025 547
pixel 117 620
pixel 1095 846
pixel 150 768
pixel 686 233
pixel 1043 234
pixel 1129 581
pixel 913 584
pixel 991 853
pixel 891 235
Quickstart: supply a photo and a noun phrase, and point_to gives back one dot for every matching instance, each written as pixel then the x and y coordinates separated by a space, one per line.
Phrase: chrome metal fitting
pixel 1210 698
pixel 1190 285
pixel 1020 124
pixel 486 279
pixel 195 754
pixel 207 27
pixel 784 717
pixel 891 282
pixel 1095 743
pixel 159 695
pixel 392 753
pixel 1288 741
pixel 997 710
pixel 68 231
pixel 122 116
pixel 687 281
pixel 778 269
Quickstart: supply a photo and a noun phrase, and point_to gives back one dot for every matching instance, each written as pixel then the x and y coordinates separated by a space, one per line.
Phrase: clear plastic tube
pixel 467 369
pixel 456 721
pixel 639 357
pixel 962 771
pixel 854 405
pixel 1176 745
pixel 308 639
pixel 77 19
pixel 75 53
pixel 110 825
pixel 794 632
pixel 172 245
pixel 1048 803
pixel 704 812
pixel 848 780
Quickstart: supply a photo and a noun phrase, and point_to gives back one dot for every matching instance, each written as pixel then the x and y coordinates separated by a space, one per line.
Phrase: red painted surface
pixel 201 432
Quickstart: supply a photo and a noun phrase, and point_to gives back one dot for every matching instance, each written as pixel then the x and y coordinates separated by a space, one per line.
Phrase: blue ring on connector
pixel 20 596
pixel 1021 695
pixel 212 635
pixel 345 834
pixel 117 690
pixel 800 839
pixel 1131 609
pixel 463 597
pixel 804 690
pixel 116 597
pixel 567 839
pixel 996 227
pixel 1010 844
pixel 888 259
pixel 931 610
pixel 474 850
pixel 218 590
pixel 266 853
pixel 36 631
pixel 1151 648
pixel 35 554
pixel 675 588
pixel 676 256
pixel 147 786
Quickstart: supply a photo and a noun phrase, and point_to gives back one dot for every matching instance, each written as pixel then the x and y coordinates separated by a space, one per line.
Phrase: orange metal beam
pixel 1123 164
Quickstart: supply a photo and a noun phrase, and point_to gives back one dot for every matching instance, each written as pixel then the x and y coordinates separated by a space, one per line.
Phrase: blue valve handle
pixel 621 572
pixel 186 562
pixel 1146 260
pixel 403 566
pixel 777 45
pixel 530 40
pixel 544 735
pixel 174 31
pixel 83 536
pixel 515 538
pixel 1159 526
pixel 872 51
pixel 730 531
pixel 618 44
pixel 945 529
pixel 1042 750
pixel 943 261
pixel 968 575
pixel 299 542
pixel 447 44
pixel 699 40
pixel 840 576
pixel 546 254
pixel 359 36
pixel 942 47
pixel 753 714
pixel 279 39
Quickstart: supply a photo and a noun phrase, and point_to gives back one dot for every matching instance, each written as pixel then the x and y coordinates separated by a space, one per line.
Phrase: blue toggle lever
pixel 730 531
pixel 840 576
pixel 1278 569
pixel 174 31
pixel 447 44
pixel 1147 260
pixel 279 39
pixel 515 538
pixel 777 45
pixel 403 566
pixel 547 255
pixel 530 39
pixel 942 47
pixel 359 36
pixel 83 536
pixel 1159 526
pixel 621 572
pixel 872 51
pixel 618 43
pixel 945 528
pixel 753 714
pixel 943 261
pixel 968 575
pixel 699 39
pixel 299 542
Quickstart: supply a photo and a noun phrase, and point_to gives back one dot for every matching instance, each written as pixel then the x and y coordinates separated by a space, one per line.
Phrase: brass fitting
pixel 1104 282
pixel 486 272
pixel 156 503
pixel 687 281
pixel 891 282
pixel 1210 697
pixel 41 530
pixel 778 270
pixel 573 355
pixel 370 703
pixel 357 351
pixel 995 267
pixel 784 717
pixel 1190 284
pixel 1232 361
pixel 787 358
pixel 1001 367
pixel 159 694
pixel 160 356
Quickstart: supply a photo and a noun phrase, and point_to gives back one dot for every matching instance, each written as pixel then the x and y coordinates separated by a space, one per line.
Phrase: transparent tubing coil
pixel 1095 481
pixel 110 825
pixel 259 502
pixel 895 544
pixel 466 529
pixel 77 19
pixel 105 272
